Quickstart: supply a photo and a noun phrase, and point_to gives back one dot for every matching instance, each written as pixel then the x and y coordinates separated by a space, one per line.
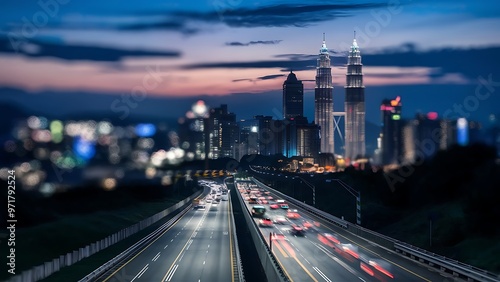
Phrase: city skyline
pixel 55 51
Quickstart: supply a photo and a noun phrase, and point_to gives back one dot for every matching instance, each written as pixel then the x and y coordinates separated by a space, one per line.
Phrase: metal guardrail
pixel 130 251
pixel 444 264
pixel 50 267
pixel 272 268
pixel 456 268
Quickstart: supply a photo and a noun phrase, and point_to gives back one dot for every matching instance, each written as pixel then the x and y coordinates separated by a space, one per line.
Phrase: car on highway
pixel 350 250
pixel 280 220
pixel 258 211
pixel 262 201
pixel 274 206
pixel 307 224
pixel 297 230
pixel 292 215
pixel 284 206
pixel 266 222
pixel 375 267
pixel 332 238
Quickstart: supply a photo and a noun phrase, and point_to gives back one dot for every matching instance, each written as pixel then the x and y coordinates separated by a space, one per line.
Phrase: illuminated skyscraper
pixel 293 97
pixel 323 99
pixel 392 131
pixel 354 105
pixel 223 133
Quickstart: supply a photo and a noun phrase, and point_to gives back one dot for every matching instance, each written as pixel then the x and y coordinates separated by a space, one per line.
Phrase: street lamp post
pixel 353 192
pixel 313 188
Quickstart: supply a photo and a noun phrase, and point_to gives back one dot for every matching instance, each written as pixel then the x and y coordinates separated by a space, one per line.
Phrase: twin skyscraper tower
pixel 324 114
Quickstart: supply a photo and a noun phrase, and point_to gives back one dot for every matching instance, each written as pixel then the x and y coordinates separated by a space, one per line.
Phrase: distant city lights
pixel 432 115
pixel 462 131
pixel 145 130
pixel 83 148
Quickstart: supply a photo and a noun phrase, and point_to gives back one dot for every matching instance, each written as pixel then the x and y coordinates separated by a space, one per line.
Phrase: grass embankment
pixel 446 236
pixel 87 265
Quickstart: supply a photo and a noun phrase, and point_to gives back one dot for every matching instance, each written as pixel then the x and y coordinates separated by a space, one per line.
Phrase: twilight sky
pixel 433 53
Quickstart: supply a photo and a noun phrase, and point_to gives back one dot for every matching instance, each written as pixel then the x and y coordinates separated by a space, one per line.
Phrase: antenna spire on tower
pixel 323 37
pixel 354 34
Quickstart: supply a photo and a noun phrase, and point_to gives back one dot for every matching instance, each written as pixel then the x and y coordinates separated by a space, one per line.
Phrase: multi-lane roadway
pixel 198 247
pixel 326 252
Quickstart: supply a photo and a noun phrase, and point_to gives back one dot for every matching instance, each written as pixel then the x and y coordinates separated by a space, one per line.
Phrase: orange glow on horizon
pixel 173 81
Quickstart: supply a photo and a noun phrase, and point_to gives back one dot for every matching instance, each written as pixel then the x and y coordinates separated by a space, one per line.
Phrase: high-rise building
pixel 193 135
pixel 323 99
pixel 194 132
pixel 261 135
pixel 392 131
pixel 425 135
pixel 249 137
pixel 293 97
pixel 308 141
pixel 224 133
pixel 354 105
pixel 266 135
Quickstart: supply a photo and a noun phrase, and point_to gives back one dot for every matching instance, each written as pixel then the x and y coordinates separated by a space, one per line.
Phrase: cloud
pixel 285 64
pixel 168 24
pixel 188 22
pixel 265 77
pixel 271 76
pixel 39 49
pixel 281 15
pixel 469 62
pixel 465 64
pixel 242 79
pixel 262 42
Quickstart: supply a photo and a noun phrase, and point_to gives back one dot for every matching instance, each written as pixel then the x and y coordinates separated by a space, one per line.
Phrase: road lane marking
pixel 189 245
pixel 379 255
pixel 165 246
pixel 138 275
pixel 277 245
pixel 288 248
pixel 322 274
pixel 341 263
pixel 182 251
pixel 169 277
pixel 173 224
pixel 156 257
pixel 305 270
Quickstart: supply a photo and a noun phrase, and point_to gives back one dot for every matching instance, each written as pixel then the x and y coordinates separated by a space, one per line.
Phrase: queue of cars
pixel 282 214
pixel 261 201
pixel 217 194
